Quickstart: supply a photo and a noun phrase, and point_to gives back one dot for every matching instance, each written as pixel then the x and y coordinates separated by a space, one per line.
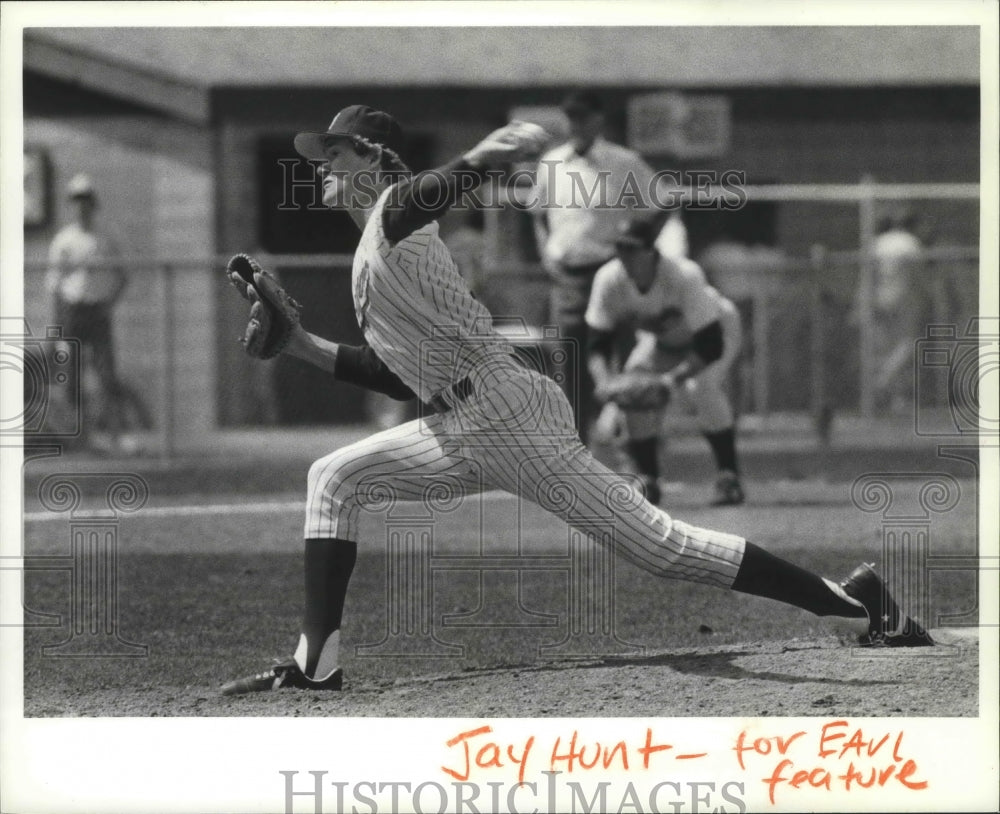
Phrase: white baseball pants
pixel 515 432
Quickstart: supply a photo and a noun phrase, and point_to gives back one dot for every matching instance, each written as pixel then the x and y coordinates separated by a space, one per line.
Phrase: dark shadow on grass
pixel 709 665
pixel 721 665
pixel 797 503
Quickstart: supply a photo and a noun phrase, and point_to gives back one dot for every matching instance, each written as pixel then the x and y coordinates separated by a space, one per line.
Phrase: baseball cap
pixel 80 186
pixel 356 120
pixel 636 232
pixel 582 101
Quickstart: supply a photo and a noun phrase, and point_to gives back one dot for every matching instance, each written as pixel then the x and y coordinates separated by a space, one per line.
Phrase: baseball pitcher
pixel 497 425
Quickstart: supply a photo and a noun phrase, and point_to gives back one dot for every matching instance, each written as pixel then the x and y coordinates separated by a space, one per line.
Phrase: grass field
pixel 211 586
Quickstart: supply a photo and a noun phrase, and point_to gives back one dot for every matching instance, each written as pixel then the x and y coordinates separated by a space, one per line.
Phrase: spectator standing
pixel 585 188
pixel 897 305
pixel 85 280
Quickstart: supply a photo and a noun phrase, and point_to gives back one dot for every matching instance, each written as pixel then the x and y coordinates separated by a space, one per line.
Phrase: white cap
pixel 80 186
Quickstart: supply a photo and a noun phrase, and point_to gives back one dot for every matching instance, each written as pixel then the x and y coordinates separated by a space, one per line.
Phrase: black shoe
pixel 282 675
pixel 728 491
pixel 888 626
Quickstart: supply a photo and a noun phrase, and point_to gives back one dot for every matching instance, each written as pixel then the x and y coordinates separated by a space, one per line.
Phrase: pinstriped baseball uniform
pixel 416 309
pixel 679 302
pixel 498 424
pixel 513 429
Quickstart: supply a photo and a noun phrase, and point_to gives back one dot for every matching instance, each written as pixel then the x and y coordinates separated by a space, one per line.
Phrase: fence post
pixel 761 345
pixel 167 389
pixel 821 410
pixel 866 287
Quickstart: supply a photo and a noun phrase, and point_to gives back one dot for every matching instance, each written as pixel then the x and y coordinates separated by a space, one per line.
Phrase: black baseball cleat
pixel 728 491
pixel 888 626
pixel 283 675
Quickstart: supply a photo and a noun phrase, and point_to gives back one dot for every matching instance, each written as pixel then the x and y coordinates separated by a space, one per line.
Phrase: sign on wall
pixel 679 125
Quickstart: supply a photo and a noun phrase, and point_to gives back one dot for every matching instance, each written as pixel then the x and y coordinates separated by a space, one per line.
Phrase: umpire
pixel 585 187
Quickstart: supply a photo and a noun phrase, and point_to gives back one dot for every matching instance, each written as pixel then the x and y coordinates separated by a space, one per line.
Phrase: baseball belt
pixel 447 397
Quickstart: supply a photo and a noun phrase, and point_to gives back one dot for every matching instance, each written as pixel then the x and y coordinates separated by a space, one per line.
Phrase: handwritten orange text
pixel 489 755
pixel 872 760
pixel 478 749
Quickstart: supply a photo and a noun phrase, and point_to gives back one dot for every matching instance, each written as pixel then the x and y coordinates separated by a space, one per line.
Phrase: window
pixel 293 219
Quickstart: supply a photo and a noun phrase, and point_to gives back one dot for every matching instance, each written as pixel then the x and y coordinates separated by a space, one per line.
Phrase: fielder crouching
pixel 687 336
pixel 498 425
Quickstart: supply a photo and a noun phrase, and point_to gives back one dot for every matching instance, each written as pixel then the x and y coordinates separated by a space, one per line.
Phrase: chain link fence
pixel 810 330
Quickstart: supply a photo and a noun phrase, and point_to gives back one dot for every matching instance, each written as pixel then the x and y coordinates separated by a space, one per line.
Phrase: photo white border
pixel 203 765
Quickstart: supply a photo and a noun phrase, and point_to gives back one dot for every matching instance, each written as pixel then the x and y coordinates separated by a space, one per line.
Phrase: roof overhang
pixel 176 68
pixel 97 72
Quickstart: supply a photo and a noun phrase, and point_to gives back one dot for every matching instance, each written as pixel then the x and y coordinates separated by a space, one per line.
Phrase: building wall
pixel 896 135
pixel 779 135
pixel 156 194
pixel 170 189
pixel 900 135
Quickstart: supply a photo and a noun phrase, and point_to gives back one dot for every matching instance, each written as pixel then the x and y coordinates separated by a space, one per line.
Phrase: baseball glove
pixel 637 390
pixel 273 314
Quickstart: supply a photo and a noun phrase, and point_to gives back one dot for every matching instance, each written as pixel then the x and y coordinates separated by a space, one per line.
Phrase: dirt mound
pixel 798 677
